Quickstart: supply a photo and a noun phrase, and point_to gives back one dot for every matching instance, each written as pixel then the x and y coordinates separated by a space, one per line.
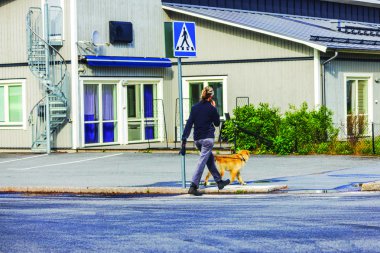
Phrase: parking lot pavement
pixel 300 173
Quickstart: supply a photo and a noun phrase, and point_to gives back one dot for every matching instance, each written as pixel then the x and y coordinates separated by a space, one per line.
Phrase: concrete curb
pixel 233 189
pixel 372 186
pixel 139 190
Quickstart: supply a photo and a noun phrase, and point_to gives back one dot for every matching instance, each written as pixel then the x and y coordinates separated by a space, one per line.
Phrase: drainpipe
pixel 324 77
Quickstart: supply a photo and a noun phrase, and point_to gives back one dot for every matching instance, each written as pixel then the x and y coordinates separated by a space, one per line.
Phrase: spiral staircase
pixel 50 113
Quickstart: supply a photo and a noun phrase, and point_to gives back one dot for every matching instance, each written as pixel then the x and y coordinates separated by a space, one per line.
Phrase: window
pixel 193 88
pixel 357 105
pixel 100 113
pixel 195 91
pixel 12 103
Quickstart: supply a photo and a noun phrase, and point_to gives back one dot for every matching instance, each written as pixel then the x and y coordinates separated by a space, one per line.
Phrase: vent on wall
pixel 120 32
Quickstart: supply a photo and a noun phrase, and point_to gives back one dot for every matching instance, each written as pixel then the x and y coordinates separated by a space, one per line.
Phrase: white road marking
pixel 57 164
pixel 30 157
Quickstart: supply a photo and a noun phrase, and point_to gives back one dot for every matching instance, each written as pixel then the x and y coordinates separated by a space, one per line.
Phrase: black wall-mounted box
pixel 120 32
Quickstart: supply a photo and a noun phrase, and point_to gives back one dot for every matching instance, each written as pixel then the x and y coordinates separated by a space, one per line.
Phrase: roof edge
pixel 366 3
pixel 312 45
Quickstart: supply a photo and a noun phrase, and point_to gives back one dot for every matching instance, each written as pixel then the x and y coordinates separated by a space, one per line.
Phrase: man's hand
pixel 183 148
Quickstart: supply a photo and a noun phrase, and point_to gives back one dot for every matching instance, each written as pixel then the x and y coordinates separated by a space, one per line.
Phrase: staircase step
pixel 57 122
pixel 58 109
pixel 58 115
pixel 57 104
pixel 54 126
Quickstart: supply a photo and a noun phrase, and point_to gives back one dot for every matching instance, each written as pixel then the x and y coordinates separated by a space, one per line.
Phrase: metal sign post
pixel 183 46
pixel 183 164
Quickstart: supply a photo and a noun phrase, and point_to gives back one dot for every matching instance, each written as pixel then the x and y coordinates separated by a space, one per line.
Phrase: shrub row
pixel 299 130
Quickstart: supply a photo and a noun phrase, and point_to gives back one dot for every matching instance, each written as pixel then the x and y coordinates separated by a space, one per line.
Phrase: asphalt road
pixel 344 222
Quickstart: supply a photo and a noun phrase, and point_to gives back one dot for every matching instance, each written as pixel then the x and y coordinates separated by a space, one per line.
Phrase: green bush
pixel 323 130
pixel 377 145
pixel 342 148
pixel 322 148
pixel 364 147
pixel 294 130
pixel 265 130
pixel 301 128
pixel 306 149
pixel 262 122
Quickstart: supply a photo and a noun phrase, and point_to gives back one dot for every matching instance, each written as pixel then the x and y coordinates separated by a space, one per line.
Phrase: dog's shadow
pixel 210 183
pixel 213 183
pixel 253 182
pixel 179 184
pixel 165 184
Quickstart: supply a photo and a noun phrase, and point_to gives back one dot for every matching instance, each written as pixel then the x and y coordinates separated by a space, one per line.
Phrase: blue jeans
pixel 206 157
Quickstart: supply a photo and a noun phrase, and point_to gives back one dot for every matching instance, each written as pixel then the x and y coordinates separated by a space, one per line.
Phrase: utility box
pixel 120 32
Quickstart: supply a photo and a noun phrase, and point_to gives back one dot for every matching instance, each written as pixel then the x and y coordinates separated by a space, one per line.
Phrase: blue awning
pixel 119 61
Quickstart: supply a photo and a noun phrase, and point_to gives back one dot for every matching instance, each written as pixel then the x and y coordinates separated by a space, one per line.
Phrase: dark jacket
pixel 204 116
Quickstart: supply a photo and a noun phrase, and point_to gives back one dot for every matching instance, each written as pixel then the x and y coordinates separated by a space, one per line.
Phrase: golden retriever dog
pixel 232 163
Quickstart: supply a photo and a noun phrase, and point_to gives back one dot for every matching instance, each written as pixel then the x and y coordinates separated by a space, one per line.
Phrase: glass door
pixel 357 106
pixel 134 112
pixel 142 116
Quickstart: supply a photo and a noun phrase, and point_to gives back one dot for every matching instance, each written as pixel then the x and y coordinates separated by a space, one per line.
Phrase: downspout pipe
pixel 324 77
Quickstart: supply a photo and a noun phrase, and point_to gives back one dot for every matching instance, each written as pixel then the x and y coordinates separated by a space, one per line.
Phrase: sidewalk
pixel 160 173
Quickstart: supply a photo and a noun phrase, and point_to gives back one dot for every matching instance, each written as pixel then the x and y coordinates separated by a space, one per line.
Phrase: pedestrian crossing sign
pixel 184 39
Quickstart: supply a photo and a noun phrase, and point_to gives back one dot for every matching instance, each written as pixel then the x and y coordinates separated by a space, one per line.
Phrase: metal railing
pixel 367 136
pixel 157 124
pixel 241 101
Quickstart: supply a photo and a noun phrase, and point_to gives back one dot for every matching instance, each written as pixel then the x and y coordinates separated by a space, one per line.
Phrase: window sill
pixel 88 145
pixel 12 127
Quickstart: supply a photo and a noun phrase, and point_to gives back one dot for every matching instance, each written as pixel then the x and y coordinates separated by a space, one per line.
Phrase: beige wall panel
pixel 146 17
pixel 13 30
pixel 65 49
pixel 221 42
pixel 275 83
pixel 63 138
